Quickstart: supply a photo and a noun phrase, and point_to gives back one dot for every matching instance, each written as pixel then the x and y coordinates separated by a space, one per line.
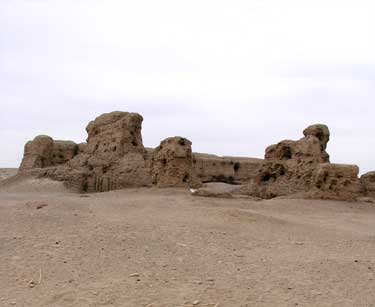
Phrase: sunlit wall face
pixel 233 76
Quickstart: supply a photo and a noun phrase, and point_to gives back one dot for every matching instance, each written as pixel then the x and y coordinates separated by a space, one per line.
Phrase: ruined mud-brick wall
pixel 367 184
pixel 302 166
pixel 113 135
pixel 64 151
pixel 172 164
pixel 114 156
pixel 44 152
pixel 335 181
pixel 232 170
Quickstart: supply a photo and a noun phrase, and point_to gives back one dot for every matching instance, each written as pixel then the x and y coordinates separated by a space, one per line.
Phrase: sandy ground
pixel 148 247
pixel 7 172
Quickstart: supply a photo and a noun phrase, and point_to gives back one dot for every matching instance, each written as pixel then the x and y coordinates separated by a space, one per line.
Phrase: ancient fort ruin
pixel 114 157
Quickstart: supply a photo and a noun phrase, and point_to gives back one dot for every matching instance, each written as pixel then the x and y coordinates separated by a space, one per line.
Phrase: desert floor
pixel 7 172
pixel 149 247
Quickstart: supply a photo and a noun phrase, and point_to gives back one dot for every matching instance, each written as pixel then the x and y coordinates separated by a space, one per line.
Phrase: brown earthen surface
pixel 163 247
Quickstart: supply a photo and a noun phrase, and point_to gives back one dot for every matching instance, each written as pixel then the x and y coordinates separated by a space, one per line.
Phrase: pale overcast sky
pixel 232 76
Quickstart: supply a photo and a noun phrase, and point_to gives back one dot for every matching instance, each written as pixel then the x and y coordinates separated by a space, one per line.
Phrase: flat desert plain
pixel 164 247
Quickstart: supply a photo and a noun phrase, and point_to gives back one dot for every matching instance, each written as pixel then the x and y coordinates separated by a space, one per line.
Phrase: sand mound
pixel 215 189
pixel 7 172
pixel 28 184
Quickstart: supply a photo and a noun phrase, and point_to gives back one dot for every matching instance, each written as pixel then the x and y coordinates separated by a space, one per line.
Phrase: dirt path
pixel 166 248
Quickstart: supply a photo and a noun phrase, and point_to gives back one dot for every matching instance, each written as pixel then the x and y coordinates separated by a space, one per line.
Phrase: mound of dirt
pixel 29 184
pixel 7 172
pixel 215 189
